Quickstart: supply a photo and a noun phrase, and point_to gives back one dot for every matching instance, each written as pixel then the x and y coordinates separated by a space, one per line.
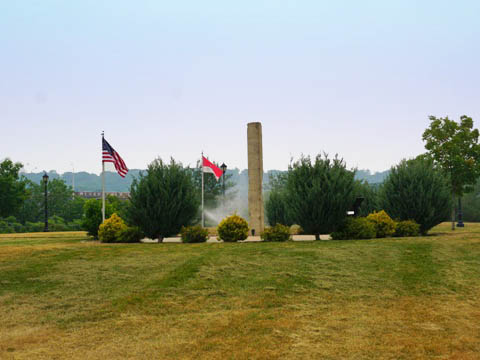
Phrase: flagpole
pixel 103 185
pixel 203 212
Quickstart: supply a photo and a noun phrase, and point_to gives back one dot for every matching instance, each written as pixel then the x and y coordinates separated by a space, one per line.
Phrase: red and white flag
pixel 211 168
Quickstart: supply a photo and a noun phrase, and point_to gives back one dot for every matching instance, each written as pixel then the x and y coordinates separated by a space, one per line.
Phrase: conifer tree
pixel 163 199
pixel 319 193
pixel 416 190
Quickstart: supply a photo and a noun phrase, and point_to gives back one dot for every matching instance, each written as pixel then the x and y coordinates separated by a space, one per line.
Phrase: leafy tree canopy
pixel 454 146
pixel 61 202
pixel 12 188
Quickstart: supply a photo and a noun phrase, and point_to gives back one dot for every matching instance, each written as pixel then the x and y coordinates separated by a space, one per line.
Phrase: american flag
pixel 110 155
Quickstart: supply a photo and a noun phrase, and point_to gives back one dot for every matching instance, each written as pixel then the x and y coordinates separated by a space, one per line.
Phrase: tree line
pixel 314 193
pixel 22 201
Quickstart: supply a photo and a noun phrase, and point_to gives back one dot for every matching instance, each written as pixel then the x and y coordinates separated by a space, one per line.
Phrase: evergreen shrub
pixel 276 209
pixel 93 216
pixel 417 190
pixel 355 228
pixel 14 225
pixel 131 234
pixel 56 223
pixel 278 232
pixel 318 193
pixel 233 228
pixel 384 225
pixel 194 234
pixel 163 199
pixel 75 225
pixel 111 229
pixel 369 193
pixel 407 228
pixel 5 227
pixel 34 226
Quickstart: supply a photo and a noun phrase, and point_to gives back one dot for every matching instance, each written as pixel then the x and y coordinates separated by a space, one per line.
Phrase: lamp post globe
pixel 45 182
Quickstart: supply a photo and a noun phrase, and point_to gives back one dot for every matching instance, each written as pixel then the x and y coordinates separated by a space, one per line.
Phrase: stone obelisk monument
pixel 255 177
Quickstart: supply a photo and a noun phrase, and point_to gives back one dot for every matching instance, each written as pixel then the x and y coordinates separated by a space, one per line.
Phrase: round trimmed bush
pixel 296 230
pixel 194 234
pixel 233 228
pixel 384 225
pixel 407 228
pixel 278 232
pixel 111 229
pixel 355 228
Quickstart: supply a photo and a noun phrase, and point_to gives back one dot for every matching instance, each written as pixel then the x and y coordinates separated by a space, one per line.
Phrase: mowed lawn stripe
pixel 379 298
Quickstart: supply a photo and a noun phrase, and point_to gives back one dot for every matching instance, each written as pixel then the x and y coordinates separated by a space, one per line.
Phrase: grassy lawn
pixel 64 296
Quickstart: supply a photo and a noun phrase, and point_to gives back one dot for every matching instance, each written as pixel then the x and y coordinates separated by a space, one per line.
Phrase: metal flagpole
pixel 203 213
pixel 73 178
pixel 103 185
pixel 73 181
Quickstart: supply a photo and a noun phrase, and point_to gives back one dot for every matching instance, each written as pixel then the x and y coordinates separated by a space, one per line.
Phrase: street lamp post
pixel 224 169
pixel 460 215
pixel 45 181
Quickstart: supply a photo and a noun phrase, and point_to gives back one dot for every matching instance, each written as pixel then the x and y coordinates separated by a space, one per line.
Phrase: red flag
pixel 211 168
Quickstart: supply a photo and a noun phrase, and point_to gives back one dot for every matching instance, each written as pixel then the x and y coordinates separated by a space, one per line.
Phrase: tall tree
pixel 12 188
pixel 319 193
pixel 454 146
pixel 163 200
pixel 59 195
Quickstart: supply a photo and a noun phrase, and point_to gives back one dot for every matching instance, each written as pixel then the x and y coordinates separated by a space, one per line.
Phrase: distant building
pixel 98 194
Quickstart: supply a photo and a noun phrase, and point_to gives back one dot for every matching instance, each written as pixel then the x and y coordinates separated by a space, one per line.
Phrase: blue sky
pixel 357 78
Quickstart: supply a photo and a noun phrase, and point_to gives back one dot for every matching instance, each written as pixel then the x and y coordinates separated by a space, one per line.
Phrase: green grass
pixel 67 296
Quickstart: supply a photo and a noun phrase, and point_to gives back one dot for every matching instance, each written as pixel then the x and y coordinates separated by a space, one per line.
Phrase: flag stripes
pixel 110 155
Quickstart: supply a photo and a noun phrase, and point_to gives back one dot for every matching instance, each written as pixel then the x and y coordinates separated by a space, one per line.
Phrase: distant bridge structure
pixel 98 194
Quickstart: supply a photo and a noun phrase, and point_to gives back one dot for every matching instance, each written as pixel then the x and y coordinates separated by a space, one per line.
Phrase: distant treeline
pixel 85 181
